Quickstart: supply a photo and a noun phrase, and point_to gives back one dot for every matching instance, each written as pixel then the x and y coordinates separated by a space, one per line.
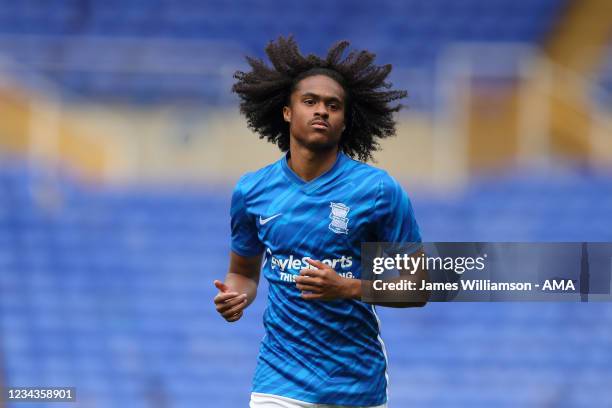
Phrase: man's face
pixel 316 113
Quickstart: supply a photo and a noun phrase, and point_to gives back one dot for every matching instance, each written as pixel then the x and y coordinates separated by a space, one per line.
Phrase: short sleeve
pixel 244 239
pixel 393 214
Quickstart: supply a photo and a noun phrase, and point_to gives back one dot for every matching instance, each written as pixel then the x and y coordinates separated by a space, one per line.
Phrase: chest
pixel 334 222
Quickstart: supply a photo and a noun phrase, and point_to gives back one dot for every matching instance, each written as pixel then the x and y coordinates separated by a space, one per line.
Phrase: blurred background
pixel 120 143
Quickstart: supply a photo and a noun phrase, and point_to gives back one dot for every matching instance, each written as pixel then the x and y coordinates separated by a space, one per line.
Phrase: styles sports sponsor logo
pixel 295 263
pixel 289 268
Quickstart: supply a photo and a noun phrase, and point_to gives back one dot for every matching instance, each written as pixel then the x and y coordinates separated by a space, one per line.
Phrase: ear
pixel 287 113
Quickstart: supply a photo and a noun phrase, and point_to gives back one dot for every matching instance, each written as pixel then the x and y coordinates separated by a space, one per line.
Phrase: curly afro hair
pixel 264 91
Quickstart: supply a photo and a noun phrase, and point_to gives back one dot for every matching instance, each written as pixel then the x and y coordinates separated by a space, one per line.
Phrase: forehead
pixel 320 85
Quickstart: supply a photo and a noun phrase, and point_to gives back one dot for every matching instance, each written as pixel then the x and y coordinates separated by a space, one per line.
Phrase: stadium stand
pixel 604 82
pixel 65 36
pixel 110 289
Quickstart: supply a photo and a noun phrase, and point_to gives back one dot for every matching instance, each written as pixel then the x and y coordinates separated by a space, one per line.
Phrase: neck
pixel 308 164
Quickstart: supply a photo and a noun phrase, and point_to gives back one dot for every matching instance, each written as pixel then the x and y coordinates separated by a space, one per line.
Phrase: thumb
pixel 221 286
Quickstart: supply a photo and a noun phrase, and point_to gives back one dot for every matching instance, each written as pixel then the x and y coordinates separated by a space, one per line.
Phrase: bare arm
pixel 240 286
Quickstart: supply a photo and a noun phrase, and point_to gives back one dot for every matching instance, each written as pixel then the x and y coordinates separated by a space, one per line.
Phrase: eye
pixel 309 102
pixel 333 106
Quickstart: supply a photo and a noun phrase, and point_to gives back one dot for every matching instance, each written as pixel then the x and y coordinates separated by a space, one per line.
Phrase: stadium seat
pixel 113 295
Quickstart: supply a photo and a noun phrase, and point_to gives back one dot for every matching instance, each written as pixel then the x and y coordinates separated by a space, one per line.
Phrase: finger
pixel 311 272
pixel 308 288
pixel 221 286
pixel 222 307
pixel 234 318
pixel 232 311
pixel 308 280
pixel 311 296
pixel 317 264
pixel 224 297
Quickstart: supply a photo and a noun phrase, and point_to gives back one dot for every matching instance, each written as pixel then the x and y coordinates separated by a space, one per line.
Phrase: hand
pixel 323 282
pixel 228 303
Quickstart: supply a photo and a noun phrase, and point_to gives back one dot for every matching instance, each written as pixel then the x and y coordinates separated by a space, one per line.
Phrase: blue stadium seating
pixel 409 34
pixel 110 290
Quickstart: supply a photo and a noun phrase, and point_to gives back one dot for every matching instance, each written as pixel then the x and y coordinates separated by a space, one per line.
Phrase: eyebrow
pixel 327 98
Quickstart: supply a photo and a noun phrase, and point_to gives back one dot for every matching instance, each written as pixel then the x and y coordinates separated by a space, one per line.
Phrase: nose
pixel 321 110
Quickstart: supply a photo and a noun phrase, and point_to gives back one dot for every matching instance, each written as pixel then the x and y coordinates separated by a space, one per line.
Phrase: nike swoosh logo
pixel 264 221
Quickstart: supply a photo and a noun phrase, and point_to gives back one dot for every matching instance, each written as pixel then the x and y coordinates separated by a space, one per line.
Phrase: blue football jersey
pixel 327 352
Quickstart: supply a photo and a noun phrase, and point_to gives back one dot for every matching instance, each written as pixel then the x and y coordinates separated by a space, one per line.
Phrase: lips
pixel 319 124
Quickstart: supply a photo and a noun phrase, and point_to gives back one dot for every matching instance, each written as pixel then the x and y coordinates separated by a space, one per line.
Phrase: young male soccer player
pixel 307 215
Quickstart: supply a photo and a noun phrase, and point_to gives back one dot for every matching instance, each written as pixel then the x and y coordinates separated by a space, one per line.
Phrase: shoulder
pixel 249 182
pixel 374 177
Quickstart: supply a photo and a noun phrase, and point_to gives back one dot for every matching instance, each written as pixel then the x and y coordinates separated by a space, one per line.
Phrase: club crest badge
pixel 339 219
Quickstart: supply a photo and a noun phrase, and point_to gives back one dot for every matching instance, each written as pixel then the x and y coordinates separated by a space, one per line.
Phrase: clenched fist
pixel 228 303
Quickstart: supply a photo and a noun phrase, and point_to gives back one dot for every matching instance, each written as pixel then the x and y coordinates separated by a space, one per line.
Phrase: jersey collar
pixel 317 181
